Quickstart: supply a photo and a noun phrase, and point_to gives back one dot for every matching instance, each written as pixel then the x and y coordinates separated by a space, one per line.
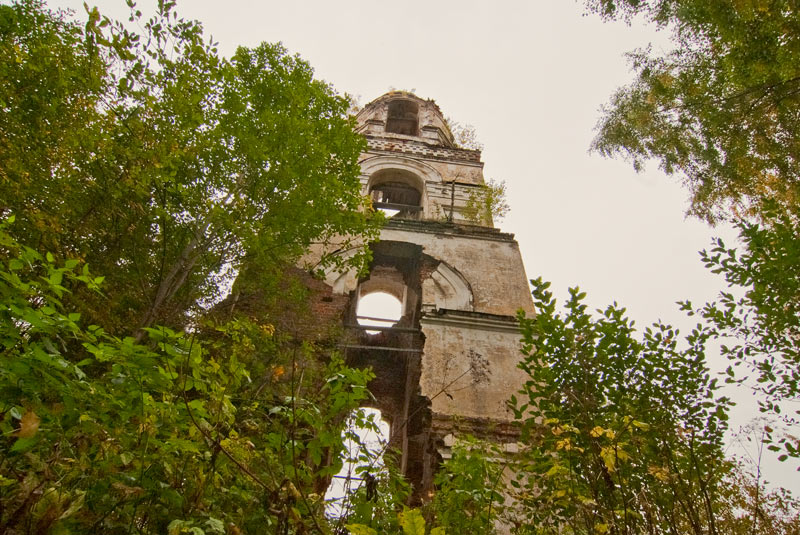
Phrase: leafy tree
pixel 747 507
pixel 721 109
pixel 375 505
pixel 161 164
pixel 183 433
pixel 468 498
pixel 469 488
pixel 625 434
pixel 759 319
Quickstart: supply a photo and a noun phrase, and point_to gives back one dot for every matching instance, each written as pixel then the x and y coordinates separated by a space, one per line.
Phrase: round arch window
pixel 378 309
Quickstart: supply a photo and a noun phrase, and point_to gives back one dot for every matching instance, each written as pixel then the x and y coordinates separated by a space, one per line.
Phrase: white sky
pixel 531 77
pixel 349 478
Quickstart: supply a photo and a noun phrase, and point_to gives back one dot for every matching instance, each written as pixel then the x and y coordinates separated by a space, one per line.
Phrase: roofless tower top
pixel 403 115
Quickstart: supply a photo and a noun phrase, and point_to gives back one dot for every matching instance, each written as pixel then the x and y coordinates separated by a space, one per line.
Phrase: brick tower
pixel 450 363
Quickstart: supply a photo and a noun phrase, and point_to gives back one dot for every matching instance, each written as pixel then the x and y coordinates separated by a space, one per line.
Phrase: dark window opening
pixel 403 117
pixel 396 199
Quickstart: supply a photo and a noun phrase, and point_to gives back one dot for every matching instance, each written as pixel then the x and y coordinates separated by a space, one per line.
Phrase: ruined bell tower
pixel 449 364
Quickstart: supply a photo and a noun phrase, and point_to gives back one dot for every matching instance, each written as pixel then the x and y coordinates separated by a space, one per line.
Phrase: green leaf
pixel 75 505
pixel 360 529
pixel 21 445
pixel 412 522
pixel 215 526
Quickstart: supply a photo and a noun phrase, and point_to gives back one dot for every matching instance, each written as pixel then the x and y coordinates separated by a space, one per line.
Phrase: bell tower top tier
pixel 403 115
pixel 413 168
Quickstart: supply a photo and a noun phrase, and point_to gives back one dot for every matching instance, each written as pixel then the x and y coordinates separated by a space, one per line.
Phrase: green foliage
pixel 469 488
pixel 721 109
pixel 468 497
pixel 759 319
pixel 161 164
pixel 377 509
pixel 625 433
pixel 747 507
pixel 174 435
pixel 465 135
pixel 411 522
pixel 360 529
pixel 486 203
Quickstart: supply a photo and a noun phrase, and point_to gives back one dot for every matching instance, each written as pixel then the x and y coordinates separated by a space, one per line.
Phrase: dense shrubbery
pixel 137 169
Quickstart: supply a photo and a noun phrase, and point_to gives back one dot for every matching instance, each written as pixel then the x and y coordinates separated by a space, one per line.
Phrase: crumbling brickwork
pixel 450 364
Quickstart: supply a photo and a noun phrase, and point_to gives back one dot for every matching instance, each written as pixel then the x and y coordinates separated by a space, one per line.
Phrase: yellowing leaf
pixel 268 329
pixel 609 458
pixel 127 491
pixel 277 372
pixel 28 425
pixel 662 474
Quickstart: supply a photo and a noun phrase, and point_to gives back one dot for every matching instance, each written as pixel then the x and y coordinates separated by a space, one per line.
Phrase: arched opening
pixel 395 353
pixel 365 435
pixel 379 310
pixel 393 198
pixel 396 193
pixel 403 117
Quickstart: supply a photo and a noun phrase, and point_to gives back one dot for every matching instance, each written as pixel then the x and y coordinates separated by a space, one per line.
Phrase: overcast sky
pixel 531 78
